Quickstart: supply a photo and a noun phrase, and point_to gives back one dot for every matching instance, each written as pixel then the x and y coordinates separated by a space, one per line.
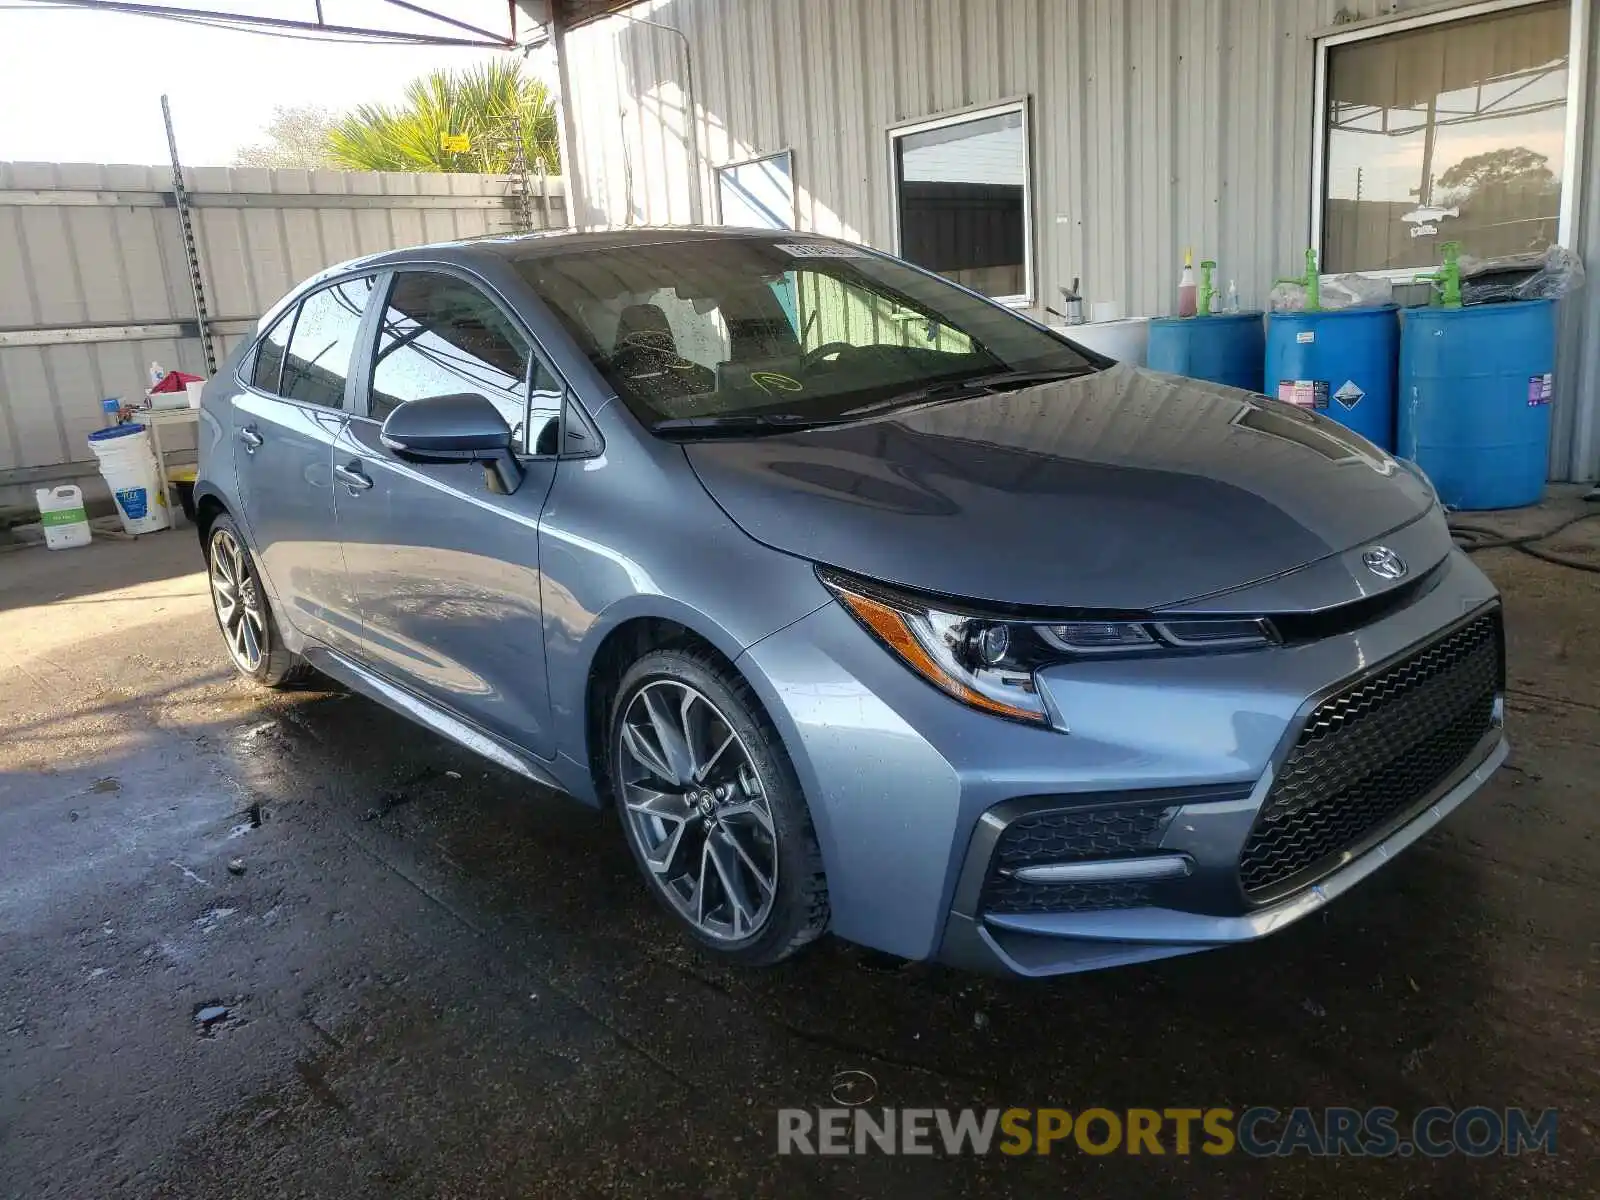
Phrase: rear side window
pixel 269 354
pixel 318 361
pixel 441 336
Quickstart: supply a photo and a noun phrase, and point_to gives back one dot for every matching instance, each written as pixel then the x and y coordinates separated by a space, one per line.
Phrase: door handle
pixel 251 439
pixel 353 477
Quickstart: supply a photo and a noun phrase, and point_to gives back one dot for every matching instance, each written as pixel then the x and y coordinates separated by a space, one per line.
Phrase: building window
pixel 758 194
pixel 963 202
pixel 1452 130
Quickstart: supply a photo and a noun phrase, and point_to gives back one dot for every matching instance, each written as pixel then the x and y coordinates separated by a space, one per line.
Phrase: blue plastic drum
pixel 1340 362
pixel 1475 389
pixel 1222 348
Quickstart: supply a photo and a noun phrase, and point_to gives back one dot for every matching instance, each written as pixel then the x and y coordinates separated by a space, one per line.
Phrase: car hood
pixel 1124 490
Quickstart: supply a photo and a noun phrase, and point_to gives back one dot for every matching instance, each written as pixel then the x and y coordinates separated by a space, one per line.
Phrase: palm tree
pixel 492 104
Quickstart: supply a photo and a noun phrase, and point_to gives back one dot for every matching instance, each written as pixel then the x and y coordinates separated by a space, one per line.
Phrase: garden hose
pixel 1473 538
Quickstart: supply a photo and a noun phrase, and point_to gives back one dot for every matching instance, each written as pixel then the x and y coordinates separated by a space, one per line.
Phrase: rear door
pixel 285 421
pixel 446 571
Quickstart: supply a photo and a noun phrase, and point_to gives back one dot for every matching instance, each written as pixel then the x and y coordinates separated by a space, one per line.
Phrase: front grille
pixel 1052 837
pixel 1007 895
pixel 1372 752
pixel 1084 833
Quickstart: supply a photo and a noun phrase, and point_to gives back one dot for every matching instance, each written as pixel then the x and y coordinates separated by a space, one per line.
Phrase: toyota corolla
pixel 868 605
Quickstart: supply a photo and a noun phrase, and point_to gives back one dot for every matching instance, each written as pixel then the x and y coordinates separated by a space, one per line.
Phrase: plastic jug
pixel 66 525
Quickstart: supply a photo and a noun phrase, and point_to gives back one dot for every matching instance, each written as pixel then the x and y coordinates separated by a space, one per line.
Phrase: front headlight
pixel 989 662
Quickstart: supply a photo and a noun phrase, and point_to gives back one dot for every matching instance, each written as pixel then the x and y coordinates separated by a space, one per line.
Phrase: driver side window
pixel 441 335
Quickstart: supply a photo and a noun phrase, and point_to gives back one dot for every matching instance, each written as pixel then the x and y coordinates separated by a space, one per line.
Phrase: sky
pixel 79 86
pixel 1391 165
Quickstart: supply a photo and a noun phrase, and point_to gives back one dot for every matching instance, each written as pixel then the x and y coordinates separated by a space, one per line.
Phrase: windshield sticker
pixel 772 381
pixel 819 250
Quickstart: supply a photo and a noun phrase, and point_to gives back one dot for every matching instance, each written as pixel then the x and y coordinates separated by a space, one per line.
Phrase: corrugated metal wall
pixel 1156 125
pixel 86 248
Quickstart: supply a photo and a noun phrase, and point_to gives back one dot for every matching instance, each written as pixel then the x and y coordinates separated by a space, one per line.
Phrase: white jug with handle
pixel 66 525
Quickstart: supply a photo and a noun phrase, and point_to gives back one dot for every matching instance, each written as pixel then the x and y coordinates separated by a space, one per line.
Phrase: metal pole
pixel 522 219
pixel 691 128
pixel 1425 188
pixel 186 228
pixel 568 132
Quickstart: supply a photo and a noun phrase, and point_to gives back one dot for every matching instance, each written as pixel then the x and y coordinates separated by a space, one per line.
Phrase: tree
pixel 491 104
pixel 1528 169
pixel 297 137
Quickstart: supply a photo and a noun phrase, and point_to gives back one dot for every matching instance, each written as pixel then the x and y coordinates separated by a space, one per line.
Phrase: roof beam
pixel 246 21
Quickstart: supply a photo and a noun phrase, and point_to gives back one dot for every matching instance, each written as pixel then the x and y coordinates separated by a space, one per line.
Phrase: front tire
pixel 243 614
pixel 712 810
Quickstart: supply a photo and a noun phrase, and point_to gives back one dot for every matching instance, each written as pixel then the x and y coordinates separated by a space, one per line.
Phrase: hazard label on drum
pixel 1349 394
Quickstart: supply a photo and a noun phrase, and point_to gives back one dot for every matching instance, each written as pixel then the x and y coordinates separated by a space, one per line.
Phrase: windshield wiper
pixel 967 387
pixel 737 423
pixel 1000 381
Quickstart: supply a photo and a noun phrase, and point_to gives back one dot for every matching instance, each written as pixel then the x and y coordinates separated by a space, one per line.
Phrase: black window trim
pixel 291 313
pixel 571 405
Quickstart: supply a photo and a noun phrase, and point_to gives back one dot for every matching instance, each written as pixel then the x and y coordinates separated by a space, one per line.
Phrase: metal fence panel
pixel 94 282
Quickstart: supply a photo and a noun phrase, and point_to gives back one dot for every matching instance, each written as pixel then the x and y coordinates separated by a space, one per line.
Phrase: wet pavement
pixel 260 944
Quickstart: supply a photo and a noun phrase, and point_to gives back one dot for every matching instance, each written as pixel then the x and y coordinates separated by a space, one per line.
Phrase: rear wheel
pixel 246 621
pixel 712 809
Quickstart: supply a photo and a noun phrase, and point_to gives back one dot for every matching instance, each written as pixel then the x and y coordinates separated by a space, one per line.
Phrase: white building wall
pixel 1157 125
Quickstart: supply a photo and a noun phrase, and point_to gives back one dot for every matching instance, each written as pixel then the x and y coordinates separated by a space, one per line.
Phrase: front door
pixel 446 571
pixel 285 422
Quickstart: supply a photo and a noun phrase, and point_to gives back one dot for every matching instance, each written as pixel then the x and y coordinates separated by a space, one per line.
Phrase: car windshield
pixel 754 330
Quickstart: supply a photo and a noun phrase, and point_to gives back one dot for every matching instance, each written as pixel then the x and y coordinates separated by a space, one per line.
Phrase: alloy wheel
pixel 698 810
pixel 237 598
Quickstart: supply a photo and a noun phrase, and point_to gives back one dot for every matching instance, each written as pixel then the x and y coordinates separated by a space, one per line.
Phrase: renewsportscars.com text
pixel 1260 1132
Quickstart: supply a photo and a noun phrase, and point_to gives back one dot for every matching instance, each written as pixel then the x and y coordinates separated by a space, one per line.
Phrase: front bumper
pixel 1039 944
pixel 911 793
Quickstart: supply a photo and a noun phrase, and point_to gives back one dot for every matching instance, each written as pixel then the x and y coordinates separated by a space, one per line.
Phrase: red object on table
pixel 175 381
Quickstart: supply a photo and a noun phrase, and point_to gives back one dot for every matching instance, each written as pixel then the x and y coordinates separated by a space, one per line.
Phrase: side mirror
pixel 461 427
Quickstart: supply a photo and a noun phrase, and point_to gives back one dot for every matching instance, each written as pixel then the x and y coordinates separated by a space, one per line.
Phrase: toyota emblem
pixel 1384 563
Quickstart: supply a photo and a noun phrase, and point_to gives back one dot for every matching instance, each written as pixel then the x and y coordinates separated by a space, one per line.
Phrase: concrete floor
pixel 440 983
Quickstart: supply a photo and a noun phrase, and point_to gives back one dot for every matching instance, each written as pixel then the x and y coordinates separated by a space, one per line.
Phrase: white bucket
pixel 61 513
pixel 129 469
pixel 194 389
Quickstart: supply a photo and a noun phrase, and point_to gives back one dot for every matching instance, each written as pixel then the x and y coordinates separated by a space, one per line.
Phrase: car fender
pixel 571 655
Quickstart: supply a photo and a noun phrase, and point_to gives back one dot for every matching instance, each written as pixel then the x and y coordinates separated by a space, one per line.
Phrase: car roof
pixel 519 247
pixel 538 245
pixel 522 246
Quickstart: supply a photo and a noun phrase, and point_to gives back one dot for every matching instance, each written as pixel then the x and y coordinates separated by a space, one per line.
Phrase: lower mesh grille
pixel 1007 895
pixel 1054 837
pixel 1369 754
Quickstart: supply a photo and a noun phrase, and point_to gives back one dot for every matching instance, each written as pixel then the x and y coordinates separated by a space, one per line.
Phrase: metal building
pixel 1021 144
